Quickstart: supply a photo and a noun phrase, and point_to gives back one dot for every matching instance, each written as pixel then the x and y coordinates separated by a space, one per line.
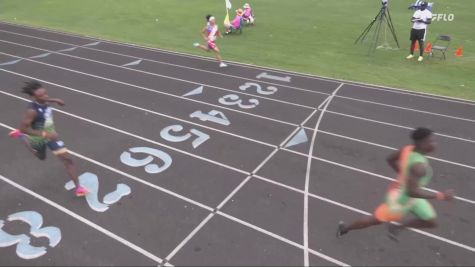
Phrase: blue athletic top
pixel 44 117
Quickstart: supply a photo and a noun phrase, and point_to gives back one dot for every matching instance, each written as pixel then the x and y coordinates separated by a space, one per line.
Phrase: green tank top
pixel 402 196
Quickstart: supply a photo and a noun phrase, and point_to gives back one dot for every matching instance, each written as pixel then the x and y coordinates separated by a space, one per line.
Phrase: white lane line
pixel 369 173
pixel 393 148
pixel 283 239
pixel 271 99
pixel 307 175
pixel 408 109
pixel 139 108
pixel 83 220
pixel 154 91
pixel 188 237
pixel 171 64
pixel 398 126
pixel 159 75
pixel 424 233
pixel 193 202
pixel 138 137
pixel 230 195
pixel 139 180
pixel 11 62
pixel 210 209
pixel 339 204
pixel 236 135
pixel 282 85
pixel 252 66
pixel 292 151
pixel 304 155
pixel 132 177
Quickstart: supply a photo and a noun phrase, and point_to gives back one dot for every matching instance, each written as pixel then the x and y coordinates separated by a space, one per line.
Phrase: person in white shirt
pixel 421 19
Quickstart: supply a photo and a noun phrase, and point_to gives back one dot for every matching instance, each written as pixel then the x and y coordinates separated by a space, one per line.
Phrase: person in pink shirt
pixel 210 33
pixel 236 23
pixel 248 16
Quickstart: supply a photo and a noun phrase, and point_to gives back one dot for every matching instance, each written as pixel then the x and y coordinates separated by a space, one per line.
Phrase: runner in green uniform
pixel 406 194
pixel 37 131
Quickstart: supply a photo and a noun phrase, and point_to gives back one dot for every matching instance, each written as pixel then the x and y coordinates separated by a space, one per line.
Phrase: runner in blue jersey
pixel 37 130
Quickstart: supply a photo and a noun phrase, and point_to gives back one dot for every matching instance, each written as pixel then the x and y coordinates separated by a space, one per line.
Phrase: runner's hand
pixel 60 102
pixel 52 136
pixel 449 194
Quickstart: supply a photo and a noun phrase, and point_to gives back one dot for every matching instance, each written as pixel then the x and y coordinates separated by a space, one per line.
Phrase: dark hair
pixel 420 134
pixel 30 87
pixel 208 16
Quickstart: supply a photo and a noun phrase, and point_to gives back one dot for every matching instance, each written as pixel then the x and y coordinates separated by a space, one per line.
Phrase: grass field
pixel 311 36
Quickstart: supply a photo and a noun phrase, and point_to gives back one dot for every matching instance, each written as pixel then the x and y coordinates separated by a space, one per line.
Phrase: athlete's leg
pixel 356 225
pixel 39 151
pixel 204 47
pixel 217 53
pixel 381 214
pixel 37 148
pixel 69 165
pixel 60 151
pixel 426 218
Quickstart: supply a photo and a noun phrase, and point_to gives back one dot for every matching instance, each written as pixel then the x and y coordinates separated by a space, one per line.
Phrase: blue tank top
pixel 44 117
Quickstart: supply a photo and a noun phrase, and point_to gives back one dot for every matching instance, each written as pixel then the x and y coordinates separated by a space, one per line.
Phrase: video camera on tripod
pixel 383 20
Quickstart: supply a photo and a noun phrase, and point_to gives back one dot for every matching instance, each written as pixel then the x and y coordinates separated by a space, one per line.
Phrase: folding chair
pixel 441 44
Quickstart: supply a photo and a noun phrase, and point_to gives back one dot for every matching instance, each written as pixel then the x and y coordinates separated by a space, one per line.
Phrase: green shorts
pixel 421 208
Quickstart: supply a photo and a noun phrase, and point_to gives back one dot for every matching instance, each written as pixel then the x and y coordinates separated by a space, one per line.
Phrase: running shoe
pixel 81 191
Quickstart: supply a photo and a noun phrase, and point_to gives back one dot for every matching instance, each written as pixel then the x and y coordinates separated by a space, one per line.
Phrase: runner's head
pixel 423 139
pixel 211 19
pixel 35 90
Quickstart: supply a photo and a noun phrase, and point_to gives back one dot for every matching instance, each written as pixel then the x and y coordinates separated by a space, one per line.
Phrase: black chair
pixel 441 44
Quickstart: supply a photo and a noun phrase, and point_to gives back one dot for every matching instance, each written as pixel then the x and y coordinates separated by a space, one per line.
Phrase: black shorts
pixel 40 145
pixel 418 34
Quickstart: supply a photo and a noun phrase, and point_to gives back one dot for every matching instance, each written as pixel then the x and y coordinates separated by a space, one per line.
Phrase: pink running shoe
pixel 81 191
pixel 16 134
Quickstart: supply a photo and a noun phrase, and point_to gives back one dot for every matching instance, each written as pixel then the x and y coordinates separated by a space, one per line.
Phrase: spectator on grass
pixel 248 16
pixel 236 23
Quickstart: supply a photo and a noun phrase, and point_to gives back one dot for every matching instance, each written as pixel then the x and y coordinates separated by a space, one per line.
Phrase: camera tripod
pixel 382 20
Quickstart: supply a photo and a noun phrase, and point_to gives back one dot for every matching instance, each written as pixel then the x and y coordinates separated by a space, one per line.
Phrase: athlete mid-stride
pixel 406 195
pixel 37 130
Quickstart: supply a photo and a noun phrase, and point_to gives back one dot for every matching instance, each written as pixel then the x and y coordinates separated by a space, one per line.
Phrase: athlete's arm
pixel 414 190
pixel 393 161
pixel 25 126
pixel 56 100
pixel 203 33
